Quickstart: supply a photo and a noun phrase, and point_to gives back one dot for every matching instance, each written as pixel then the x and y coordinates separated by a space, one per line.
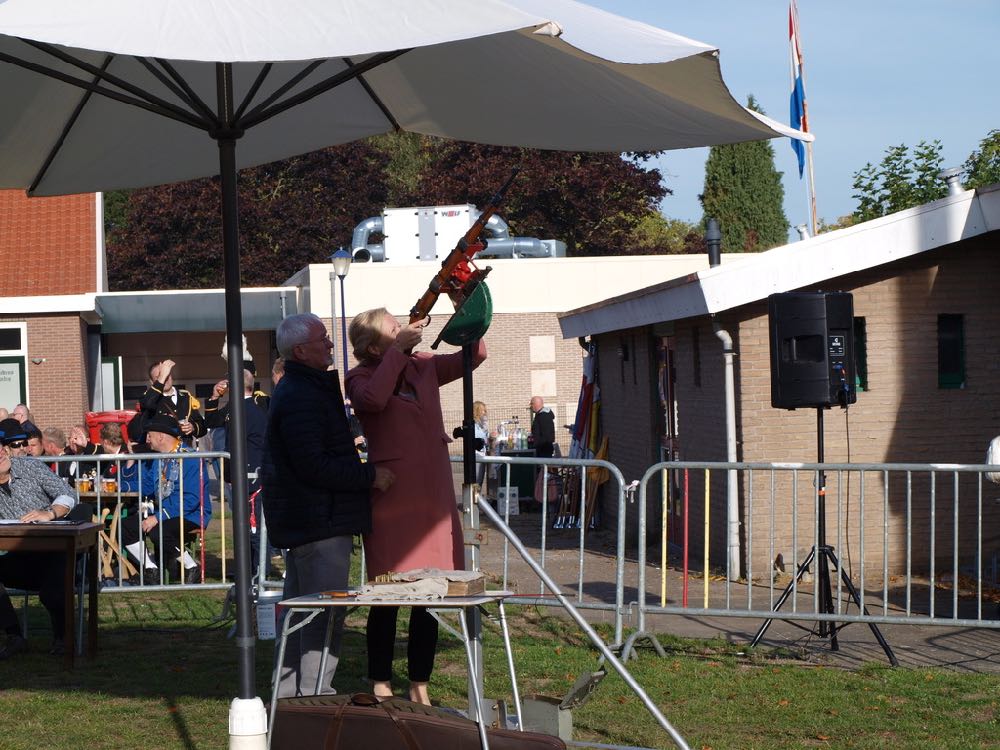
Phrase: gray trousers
pixel 310 568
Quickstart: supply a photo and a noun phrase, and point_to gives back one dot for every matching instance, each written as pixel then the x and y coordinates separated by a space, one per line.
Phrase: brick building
pixel 68 346
pixel 915 276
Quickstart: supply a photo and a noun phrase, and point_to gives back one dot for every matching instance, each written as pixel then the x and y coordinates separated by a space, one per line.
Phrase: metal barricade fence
pixel 128 488
pixel 895 527
pixel 575 500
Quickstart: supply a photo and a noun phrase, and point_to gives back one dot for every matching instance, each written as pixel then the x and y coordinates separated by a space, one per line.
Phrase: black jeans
pixel 34 571
pixel 420 647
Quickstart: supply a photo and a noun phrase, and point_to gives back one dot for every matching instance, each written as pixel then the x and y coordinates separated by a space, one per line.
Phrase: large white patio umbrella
pixel 128 93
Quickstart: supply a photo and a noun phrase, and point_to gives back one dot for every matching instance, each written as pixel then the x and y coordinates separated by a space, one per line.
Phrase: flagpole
pixel 811 176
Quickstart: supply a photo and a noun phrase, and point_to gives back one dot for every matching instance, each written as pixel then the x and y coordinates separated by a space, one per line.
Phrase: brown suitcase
pixel 360 722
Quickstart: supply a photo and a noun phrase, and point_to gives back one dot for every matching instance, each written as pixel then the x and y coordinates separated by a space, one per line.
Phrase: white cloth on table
pixel 425 589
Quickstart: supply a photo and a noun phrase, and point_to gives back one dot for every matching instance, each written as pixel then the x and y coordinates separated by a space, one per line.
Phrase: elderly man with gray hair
pixel 316 490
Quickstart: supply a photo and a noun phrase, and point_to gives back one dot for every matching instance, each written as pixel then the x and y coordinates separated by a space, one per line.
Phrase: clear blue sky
pixel 878 73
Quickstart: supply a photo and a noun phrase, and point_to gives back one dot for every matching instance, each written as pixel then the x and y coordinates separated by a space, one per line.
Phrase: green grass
pixel 166 674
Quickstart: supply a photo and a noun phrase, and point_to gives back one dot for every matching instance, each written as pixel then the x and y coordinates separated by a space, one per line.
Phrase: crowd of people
pixel 323 465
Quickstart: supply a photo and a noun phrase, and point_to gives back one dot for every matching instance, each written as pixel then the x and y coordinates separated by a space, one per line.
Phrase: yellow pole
pixel 705 542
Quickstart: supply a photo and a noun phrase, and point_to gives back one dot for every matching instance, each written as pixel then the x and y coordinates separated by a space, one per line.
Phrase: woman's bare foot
pixel 418 693
pixel 382 690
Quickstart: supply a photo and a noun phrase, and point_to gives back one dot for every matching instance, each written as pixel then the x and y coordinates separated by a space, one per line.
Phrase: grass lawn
pixel 166 674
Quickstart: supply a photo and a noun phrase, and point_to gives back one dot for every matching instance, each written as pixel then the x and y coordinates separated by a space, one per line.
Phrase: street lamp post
pixel 341 265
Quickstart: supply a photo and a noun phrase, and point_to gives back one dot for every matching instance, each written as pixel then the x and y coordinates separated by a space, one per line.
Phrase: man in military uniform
pixel 161 397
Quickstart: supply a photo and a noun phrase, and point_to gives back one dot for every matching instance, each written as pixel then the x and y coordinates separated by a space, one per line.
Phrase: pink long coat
pixel 415 523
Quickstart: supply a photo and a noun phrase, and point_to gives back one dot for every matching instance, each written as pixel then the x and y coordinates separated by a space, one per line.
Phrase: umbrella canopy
pixel 122 93
pixel 539 73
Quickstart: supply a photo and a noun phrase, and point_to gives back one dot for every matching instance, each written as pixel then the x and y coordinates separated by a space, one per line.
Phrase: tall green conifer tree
pixel 743 191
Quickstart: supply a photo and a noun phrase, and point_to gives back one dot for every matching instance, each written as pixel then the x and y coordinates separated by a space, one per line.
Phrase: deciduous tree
pixel 591 201
pixel 900 181
pixel 292 213
pixel 983 165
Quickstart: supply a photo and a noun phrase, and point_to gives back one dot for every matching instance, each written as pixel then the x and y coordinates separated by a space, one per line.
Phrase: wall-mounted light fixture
pixel 38 360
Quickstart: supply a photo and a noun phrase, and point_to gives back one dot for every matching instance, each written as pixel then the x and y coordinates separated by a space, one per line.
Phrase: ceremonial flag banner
pixel 798 120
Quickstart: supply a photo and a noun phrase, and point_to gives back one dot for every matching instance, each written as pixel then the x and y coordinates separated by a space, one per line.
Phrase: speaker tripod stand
pixel 823 555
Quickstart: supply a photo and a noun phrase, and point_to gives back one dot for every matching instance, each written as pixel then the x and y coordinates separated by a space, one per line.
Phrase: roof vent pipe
pixel 953 179
pixel 803 231
pixel 713 239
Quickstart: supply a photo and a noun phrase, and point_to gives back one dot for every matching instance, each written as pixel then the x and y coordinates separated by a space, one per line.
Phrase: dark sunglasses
pixel 17 444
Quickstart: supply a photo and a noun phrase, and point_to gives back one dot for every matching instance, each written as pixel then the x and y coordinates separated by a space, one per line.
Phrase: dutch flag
pixel 799 120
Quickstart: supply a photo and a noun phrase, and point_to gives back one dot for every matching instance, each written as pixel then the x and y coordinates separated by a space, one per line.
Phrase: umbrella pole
pixel 247 719
pixel 472 615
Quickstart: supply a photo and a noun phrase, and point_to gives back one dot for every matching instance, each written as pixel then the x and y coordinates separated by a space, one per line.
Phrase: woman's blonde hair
pixel 365 331
pixel 478 410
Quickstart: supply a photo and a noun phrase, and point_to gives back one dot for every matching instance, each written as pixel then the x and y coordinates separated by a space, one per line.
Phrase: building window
pixel 696 356
pixel 860 355
pixel 951 351
pixel 13 364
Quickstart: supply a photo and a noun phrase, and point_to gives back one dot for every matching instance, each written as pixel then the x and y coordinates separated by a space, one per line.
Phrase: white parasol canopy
pixel 126 93
pixel 549 74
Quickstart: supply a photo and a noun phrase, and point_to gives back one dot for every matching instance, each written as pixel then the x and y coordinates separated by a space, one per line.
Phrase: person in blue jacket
pixel 178 491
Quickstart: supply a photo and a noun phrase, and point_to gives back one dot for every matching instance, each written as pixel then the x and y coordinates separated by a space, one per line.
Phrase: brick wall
pixel 902 417
pixel 57 387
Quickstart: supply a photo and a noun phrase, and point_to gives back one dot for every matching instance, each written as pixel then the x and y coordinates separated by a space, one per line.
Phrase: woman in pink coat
pixel 415 523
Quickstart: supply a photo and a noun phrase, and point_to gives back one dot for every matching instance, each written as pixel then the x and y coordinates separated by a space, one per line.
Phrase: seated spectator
pixel 179 492
pixel 22 414
pixel 29 492
pixel 35 448
pixel 113 443
pixel 54 444
pixel 15 438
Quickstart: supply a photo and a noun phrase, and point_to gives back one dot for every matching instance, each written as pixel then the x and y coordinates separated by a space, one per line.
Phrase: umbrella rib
pixel 375 97
pixel 281 90
pixel 50 157
pixel 263 112
pixel 139 97
pixel 258 82
pixel 178 84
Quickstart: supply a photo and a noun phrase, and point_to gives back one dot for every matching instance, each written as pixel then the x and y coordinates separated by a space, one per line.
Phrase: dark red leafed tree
pixel 292 213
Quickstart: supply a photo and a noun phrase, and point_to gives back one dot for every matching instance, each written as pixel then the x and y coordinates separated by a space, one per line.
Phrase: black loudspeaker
pixel 812 349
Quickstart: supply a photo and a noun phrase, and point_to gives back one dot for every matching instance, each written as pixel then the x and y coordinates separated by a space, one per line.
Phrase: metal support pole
pixel 248 722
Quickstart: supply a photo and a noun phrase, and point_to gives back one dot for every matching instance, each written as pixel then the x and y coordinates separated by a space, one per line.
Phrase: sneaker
pixel 15 644
pixel 58 647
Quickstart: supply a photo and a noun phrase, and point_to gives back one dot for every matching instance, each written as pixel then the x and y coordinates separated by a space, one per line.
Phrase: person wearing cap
pixel 179 491
pixel 162 398
pixel 14 437
pixel 29 492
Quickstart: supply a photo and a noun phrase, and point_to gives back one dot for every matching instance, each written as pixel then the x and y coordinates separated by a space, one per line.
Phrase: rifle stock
pixel 454 273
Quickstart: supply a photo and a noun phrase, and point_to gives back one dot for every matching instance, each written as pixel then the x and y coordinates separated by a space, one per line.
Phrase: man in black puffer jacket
pixel 316 491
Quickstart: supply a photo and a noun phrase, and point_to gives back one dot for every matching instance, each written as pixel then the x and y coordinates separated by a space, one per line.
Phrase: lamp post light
pixel 341 265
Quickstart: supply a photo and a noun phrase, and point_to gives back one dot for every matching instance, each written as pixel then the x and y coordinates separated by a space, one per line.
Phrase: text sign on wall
pixel 12 385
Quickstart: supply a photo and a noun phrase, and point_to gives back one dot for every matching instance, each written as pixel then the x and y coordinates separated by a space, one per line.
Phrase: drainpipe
pixel 732 504
pixel 713 239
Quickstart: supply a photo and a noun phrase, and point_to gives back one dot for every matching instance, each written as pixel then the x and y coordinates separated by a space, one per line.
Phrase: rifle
pixel 458 276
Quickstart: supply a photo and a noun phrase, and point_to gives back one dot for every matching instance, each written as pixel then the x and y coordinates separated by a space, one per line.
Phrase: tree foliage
pixel 743 191
pixel 292 213
pixel 983 165
pixel 900 181
pixel 591 201
pixel 298 211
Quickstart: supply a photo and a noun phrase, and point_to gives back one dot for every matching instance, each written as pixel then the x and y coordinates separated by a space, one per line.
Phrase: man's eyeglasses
pixel 17 444
pixel 324 339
